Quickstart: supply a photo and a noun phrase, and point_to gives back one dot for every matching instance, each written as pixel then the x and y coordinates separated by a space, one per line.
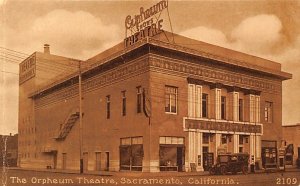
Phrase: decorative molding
pixel 223 59
pixel 214 75
pixel 112 76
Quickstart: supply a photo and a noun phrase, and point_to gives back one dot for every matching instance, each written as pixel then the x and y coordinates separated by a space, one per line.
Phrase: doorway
pixel 85 161
pixel 54 160
pixel 106 161
pixel 98 161
pixel 64 160
pixel 180 158
pixel 208 158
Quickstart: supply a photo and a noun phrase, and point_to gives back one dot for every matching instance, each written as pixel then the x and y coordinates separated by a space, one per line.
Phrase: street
pixel 29 178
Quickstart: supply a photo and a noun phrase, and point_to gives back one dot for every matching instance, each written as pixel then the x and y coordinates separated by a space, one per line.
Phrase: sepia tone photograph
pixel 150 92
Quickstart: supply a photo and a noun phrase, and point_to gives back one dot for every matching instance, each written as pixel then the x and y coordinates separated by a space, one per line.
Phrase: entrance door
pixel 180 158
pixel 85 161
pixel 64 160
pixel 54 160
pixel 208 160
pixel 98 161
pixel 106 161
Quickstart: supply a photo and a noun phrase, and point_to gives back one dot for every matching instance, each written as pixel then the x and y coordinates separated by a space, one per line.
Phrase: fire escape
pixel 67 125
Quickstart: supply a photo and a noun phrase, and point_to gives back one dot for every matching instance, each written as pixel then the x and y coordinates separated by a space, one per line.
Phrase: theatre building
pixel 163 103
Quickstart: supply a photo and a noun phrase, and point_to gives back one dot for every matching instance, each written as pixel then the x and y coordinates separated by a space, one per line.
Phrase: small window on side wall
pixel 268 112
pixel 171 99
pixel 108 106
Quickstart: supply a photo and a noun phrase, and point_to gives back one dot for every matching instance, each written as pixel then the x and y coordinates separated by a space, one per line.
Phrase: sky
pixel 82 29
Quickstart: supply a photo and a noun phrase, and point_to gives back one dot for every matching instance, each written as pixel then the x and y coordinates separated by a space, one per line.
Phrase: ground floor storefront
pixel 205 146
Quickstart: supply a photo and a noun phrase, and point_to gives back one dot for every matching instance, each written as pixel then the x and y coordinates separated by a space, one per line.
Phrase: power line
pixel 9 72
pixel 12 55
pixel 6 57
pixel 8 60
pixel 14 51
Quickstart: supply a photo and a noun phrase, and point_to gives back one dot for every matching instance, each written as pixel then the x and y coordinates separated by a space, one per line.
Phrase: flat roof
pixel 180 44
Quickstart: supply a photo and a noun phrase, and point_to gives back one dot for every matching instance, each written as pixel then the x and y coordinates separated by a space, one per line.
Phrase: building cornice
pixel 171 46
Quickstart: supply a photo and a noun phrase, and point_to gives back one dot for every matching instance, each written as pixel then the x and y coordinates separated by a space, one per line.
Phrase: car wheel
pixel 223 170
pixel 212 171
pixel 245 170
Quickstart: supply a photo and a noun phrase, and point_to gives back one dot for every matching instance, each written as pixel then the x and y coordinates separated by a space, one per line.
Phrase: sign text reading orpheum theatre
pixel 144 24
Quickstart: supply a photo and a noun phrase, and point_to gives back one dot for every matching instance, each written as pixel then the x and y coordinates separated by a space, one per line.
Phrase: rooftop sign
pixel 144 24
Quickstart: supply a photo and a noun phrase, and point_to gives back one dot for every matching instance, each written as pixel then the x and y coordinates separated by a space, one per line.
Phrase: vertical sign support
pixel 80 117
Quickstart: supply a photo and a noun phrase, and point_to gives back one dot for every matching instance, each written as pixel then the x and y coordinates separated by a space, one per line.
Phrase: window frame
pixel 108 114
pixel 223 107
pixel 269 112
pixel 204 114
pixel 139 99
pixel 168 96
pixel 123 93
pixel 241 110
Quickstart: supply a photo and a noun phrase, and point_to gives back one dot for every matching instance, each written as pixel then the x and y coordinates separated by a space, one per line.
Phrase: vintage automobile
pixel 237 162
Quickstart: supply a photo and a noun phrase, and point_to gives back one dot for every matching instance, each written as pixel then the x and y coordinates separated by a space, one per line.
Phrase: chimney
pixel 46 49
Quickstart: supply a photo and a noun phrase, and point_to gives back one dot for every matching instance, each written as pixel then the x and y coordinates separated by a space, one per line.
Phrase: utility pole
pixel 80 117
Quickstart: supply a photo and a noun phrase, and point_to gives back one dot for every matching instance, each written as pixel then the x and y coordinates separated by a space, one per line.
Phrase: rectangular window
pixel 241 139
pixel 204 105
pixel 171 140
pixel 223 107
pixel 205 138
pixel 139 99
pixel 171 94
pixel 224 139
pixel 268 112
pixel 108 107
pixel 124 103
pixel 241 110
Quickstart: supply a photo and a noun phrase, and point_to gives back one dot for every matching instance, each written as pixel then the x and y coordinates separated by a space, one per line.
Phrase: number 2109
pixel 283 181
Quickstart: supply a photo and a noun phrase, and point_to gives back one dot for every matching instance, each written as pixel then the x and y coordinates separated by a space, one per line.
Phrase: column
pixel 258 147
pixel 191 100
pixel 257 109
pixel 218 143
pixel 192 150
pixel 218 103
pixel 198 98
pixel 235 143
pixel 235 106
pixel 252 108
pixel 252 146
pixel 200 153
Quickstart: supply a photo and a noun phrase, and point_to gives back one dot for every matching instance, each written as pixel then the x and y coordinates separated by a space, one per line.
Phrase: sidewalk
pixel 138 174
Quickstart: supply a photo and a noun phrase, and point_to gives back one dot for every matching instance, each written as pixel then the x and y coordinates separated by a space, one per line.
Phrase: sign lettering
pixel 27 70
pixel 144 25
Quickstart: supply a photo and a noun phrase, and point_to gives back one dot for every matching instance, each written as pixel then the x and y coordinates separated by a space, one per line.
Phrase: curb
pixel 183 174
pixel 57 171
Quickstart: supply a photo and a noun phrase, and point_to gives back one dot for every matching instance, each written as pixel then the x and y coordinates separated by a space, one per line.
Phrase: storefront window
pixel 171 153
pixel 131 153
